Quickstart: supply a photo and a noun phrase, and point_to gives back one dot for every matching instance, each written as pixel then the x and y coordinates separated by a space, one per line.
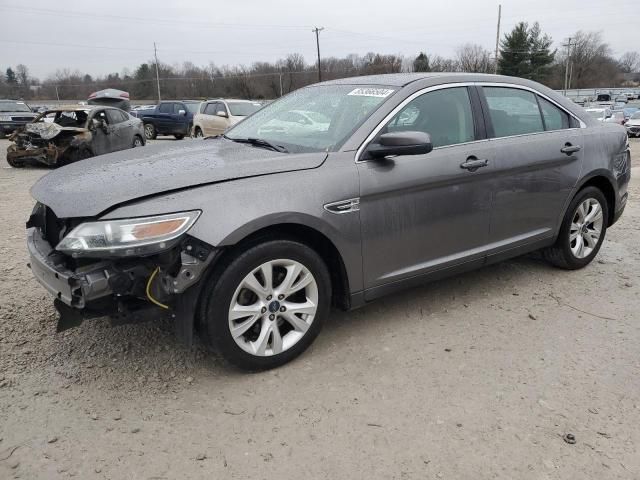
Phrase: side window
pixel 115 117
pixel 166 108
pixel 210 109
pixel 444 114
pixel 513 111
pixel 554 118
pixel 177 107
pixel 102 115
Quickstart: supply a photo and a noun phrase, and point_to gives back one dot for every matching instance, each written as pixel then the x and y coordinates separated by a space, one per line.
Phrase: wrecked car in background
pixel 68 134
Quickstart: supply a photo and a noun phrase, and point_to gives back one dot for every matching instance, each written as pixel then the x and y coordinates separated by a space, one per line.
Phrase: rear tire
pixel 274 333
pixel 150 132
pixel 582 231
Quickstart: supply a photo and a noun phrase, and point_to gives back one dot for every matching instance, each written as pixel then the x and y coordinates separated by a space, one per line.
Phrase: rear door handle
pixel 472 164
pixel 569 149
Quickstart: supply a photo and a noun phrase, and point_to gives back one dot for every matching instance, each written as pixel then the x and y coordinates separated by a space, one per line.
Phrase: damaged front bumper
pixel 48 155
pixel 123 290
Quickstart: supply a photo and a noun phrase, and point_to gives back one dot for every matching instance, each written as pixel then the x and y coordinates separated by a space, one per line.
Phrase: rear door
pixel 102 138
pixel 425 213
pixel 539 154
pixel 121 133
pixel 163 119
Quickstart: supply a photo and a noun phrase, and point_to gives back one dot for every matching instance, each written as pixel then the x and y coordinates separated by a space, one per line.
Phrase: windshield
pixel 636 116
pixel 14 107
pixel 313 119
pixel 243 109
pixel 193 107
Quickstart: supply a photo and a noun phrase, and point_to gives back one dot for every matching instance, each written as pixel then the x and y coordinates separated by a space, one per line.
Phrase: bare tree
pixel 474 58
pixel 630 62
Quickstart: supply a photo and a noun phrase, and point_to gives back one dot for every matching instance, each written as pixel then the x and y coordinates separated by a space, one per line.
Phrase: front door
pixel 424 213
pixel 539 148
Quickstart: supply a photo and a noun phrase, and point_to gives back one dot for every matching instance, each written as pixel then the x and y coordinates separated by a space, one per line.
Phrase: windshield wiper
pixel 259 142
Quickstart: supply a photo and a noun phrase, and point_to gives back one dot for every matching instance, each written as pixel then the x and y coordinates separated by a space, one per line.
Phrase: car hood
pixel 90 187
pixel 633 122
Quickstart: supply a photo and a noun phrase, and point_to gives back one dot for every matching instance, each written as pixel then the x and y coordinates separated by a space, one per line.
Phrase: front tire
pixel 198 133
pixel 265 305
pixel 582 232
pixel 179 136
pixel 137 141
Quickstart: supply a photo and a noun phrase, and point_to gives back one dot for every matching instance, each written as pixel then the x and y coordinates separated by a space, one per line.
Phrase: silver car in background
pixel 252 237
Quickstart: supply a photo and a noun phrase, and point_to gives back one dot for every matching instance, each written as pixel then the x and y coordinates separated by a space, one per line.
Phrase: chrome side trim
pixel 413 96
pixel 343 206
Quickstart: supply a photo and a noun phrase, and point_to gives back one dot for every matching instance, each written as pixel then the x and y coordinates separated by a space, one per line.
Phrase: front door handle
pixel 570 149
pixel 472 164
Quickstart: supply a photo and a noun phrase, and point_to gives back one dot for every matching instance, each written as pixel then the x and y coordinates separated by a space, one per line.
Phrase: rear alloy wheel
pixel 582 232
pixel 268 304
pixel 150 131
pixel 137 141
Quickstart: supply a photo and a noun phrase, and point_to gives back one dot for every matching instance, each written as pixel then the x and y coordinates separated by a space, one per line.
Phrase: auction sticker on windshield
pixel 371 92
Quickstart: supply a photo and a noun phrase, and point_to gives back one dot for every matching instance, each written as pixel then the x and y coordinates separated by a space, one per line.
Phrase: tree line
pixel 526 51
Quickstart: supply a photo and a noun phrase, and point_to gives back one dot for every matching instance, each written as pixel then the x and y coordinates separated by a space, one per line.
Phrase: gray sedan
pixel 252 237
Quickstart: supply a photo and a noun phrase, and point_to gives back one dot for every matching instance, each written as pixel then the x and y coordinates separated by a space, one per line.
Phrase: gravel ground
pixel 478 376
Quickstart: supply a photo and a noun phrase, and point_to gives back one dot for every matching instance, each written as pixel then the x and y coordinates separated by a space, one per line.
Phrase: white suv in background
pixel 215 116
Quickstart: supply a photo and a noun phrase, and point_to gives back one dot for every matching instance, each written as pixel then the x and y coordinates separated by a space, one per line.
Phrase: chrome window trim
pixel 415 95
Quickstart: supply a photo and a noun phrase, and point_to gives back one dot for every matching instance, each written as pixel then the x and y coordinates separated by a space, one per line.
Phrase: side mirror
pixel 401 143
pixel 222 113
pixel 182 112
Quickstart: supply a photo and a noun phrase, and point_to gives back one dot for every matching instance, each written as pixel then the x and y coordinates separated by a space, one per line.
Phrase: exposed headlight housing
pixel 140 236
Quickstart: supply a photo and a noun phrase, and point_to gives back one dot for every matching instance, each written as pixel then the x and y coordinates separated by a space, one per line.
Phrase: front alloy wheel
pixel 273 307
pixel 264 304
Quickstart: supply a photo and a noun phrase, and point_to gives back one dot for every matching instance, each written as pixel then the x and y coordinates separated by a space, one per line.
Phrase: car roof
pixel 230 100
pixel 76 107
pixel 403 79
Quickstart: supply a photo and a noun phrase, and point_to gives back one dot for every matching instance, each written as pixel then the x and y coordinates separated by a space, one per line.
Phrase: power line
pixel 172 21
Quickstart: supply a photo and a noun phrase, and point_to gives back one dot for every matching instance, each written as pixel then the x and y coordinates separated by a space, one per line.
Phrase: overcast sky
pixel 108 36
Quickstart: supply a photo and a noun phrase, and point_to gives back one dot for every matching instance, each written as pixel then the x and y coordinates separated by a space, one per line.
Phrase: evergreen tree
pixel 525 52
pixel 421 63
pixel 11 77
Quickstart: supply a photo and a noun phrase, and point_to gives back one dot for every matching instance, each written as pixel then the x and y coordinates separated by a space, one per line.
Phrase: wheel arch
pixel 306 234
pixel 602 180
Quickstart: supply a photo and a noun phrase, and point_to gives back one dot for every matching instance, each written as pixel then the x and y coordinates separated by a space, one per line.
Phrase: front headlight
pixel 128 237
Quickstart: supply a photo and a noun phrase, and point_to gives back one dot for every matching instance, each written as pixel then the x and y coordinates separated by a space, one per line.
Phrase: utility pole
pixel 57 95
pixel 317 31
pixel 566 67
pixel 155 54
pixel 280 83
pixel 498 37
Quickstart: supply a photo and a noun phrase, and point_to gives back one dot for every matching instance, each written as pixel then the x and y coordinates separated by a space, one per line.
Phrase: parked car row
pixel 334 195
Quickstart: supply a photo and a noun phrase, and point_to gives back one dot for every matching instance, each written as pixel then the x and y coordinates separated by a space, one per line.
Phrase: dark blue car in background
pixel 174 117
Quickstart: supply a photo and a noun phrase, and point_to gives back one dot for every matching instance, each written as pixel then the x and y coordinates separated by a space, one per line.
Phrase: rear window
pixel 193 107
pixel 513 111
